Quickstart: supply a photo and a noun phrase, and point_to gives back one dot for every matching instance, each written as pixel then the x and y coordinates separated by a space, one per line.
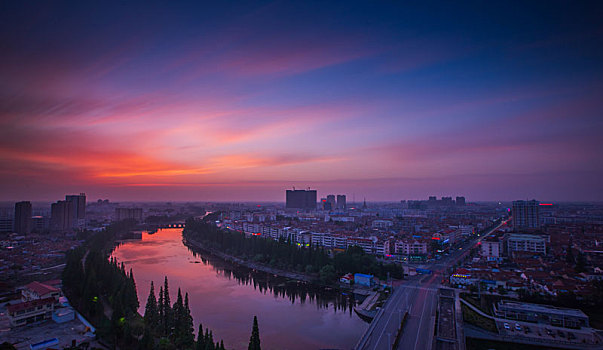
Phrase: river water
pixel 291 315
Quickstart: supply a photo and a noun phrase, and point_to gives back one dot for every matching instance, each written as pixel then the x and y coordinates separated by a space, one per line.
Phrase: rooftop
pixel 41 288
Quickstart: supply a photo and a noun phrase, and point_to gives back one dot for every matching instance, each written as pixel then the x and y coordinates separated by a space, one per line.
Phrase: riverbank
pixel 224 296
pixel 192 244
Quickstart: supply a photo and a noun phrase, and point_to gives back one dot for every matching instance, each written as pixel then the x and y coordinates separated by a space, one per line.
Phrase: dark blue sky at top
pixel 390 75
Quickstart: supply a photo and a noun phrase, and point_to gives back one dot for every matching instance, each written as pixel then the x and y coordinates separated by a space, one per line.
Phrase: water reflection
pixel 225 297
pixel 292 290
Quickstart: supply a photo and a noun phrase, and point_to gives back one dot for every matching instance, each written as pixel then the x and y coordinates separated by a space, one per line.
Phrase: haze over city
pixel 224 102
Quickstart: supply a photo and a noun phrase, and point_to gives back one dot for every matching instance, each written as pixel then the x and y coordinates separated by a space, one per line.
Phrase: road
pixel 417 296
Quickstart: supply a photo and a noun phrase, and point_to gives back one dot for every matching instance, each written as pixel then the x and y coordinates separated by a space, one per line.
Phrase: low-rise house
pixel 37 290
pixel 26 312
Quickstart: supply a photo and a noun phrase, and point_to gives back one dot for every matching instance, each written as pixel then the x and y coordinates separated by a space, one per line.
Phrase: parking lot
pixel 544 332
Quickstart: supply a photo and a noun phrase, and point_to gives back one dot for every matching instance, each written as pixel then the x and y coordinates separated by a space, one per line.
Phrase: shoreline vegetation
pixel 103 291
pixel 282 257
pixel 196 246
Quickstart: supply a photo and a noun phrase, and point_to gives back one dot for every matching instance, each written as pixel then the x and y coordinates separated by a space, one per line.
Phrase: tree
pixel 183 323
pixel 327 273
pixel 254 340
pixel 151 312
pixel 200 339
pixel 178 318
pixel 160 302
pixel 187 327
pixel 167 321
pixel 209 341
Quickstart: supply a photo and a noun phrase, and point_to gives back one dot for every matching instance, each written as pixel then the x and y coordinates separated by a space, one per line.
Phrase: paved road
pixel 419 328
pixel 418 296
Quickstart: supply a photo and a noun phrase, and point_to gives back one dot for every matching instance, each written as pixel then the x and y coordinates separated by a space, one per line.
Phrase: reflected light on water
pixel 225 298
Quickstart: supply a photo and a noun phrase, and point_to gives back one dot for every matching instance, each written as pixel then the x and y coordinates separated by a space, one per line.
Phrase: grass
pixel 472 317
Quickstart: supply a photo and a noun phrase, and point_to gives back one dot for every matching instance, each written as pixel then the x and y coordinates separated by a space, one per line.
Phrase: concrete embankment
pixel 366 310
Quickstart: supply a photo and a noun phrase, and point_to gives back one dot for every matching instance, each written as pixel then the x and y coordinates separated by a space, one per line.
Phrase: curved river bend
pixel 291 315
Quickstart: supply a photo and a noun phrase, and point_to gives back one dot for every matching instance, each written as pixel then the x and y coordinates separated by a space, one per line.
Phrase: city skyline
pixel 240 103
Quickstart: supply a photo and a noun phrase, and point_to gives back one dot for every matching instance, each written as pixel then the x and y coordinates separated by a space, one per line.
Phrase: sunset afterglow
pixel 209 103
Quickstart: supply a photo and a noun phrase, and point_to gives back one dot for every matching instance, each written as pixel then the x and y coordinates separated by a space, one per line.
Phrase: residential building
pixel 77 210
pixel 518 242
pixel 301 199
pixel 37 290
pixel 492 250
pixel 23 223
pixel 6 219
pixel 331 204
pixel 30 311
pixel 341 202
pixel 410 247
pixel 61 218
pixel 128 214
pixel 40 223
pixel 382 224
pixel 526 215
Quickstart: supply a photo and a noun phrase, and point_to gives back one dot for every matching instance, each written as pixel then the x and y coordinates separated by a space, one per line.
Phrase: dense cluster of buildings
pixel 387 230
pixel 539 256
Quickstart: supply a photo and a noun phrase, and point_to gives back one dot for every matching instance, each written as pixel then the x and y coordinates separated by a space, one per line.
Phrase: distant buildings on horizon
pixel 65 215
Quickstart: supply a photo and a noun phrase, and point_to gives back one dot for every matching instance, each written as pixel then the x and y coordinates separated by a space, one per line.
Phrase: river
pixel 291 315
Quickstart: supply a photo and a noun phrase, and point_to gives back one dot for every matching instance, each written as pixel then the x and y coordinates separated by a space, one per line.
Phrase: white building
pixel 382 224
pixel 491 250
pixel 410 247
pixel 516 242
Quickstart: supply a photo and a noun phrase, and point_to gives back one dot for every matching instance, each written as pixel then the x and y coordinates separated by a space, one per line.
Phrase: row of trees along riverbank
pixel 285 255
pixel 105 293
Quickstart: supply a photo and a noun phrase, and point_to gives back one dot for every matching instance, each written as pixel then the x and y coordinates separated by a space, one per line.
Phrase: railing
pixel 362 342
pixel 399 332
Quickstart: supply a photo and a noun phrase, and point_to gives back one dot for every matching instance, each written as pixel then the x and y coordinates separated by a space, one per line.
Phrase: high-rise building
pixel 40 223
pixel 61 218
pixel 128 214
pixel 78 209
pixel 301 199
pixel 460 201
pixel 331 201
pixel 7 216
pixel 526 215
pixel 23 223
pixel 341 201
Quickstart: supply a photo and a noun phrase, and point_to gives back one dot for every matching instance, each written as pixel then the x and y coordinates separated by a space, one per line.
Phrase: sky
pixel 238 101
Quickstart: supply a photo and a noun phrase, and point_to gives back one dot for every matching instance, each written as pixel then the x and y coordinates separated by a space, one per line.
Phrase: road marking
pixel 420 321
pixel 390 316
